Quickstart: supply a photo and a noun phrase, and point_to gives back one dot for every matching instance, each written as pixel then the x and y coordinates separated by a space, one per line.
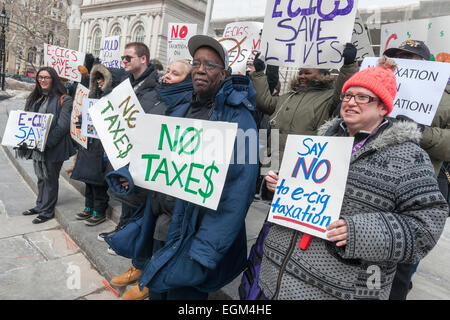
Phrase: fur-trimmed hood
pixel 397 132
pixel 101 69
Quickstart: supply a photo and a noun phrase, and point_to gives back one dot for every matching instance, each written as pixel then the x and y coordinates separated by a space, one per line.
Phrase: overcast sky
pixel 226 9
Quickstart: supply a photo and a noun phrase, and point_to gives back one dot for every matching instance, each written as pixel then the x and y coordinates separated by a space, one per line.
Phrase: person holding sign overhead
pixel 435 141
pixel 392 211
pixel 49 96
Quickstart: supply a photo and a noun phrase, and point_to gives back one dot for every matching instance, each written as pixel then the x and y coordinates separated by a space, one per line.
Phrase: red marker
pixel 305 241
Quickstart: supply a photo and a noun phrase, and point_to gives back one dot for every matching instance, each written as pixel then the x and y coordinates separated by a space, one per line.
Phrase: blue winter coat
pixel 205 249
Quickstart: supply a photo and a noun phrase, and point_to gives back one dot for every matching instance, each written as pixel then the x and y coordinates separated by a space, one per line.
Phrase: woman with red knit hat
pixel 392 210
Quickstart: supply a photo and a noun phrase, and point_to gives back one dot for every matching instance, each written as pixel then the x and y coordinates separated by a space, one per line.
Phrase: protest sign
pixel 311 184
pixel 307 33
pixel 110 52
pixel 114 118
pixel 242 41
pixel 360 39
pixel 64 61
pixel 76 134
pixel 177 41
pixel 87 127
pixel 183 158
pixel 433 31
pixel 27 128
pixel 420 85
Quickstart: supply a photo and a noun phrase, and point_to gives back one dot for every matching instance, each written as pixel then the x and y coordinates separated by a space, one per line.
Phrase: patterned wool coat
pixel 394 213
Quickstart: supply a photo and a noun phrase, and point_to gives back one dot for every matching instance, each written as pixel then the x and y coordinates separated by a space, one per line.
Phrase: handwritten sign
pixel 434 32
pixel 114 117
pixel 307 33
pixel 184 158
pixel 64 61
pixel 360 39
pixel 81 93
pixel 27 127
pixel 311 184
pixel 110 52
pixel 242 41
pixel 420 85
pixel 87 127
pixel 177 41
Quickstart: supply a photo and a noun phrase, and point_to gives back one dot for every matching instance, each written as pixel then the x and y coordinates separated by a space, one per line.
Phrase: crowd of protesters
pixel 395 203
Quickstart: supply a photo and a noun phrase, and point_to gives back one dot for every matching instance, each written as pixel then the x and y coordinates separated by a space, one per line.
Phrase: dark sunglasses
pixel 127 58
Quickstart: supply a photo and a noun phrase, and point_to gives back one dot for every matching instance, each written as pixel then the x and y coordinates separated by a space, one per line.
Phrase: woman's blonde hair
pixel 186 63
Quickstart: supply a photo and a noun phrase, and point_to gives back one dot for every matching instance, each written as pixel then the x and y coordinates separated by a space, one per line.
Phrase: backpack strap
pixel 61 100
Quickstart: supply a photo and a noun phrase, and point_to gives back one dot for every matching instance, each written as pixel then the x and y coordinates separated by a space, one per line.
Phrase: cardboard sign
pixel 434 32
pixel 27 127
pixel 114 117
pixel 420 85
pixel 307 33
pixel 242 41
pixel 87 127
pixel 360 38
pixel 184 158
pixel 64 61
pixel 311 184
pixel 177 41
pixel 110 52
pixel 81 93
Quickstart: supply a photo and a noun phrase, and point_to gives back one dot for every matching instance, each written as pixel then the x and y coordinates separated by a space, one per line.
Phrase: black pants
pixel 402 279
pixel 48 190
pixel 96 197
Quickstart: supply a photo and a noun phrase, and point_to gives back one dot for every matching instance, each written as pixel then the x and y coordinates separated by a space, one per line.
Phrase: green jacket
pixel 301 112
pixel 436 138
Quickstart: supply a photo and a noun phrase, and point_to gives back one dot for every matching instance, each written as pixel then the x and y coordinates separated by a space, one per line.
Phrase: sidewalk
pixel 432 280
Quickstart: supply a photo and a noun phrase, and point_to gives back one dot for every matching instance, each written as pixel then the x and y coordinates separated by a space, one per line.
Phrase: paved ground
pixel 43 261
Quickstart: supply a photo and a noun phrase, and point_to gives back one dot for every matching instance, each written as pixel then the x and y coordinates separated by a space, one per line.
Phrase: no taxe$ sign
pixel 183 158
pixel 311 184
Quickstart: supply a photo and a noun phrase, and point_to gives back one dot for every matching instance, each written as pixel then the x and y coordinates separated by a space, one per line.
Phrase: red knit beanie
pixel 380 80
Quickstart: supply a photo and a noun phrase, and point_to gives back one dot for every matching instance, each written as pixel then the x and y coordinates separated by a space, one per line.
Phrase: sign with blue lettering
pixel 27 129
pixel 311 184
pixel 110 52
pixel 306 33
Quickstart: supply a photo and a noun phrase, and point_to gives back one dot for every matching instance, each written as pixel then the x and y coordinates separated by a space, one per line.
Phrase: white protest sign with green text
pixel 114 119
pixel 185 158
pixel 311 184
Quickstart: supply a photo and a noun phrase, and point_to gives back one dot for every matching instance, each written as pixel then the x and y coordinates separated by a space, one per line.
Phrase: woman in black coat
pixel 49 96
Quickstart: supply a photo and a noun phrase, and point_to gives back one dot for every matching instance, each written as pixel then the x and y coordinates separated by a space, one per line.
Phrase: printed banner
pixel 177 41
pixel 81 93
pixel 307 33
pixel 87 126
pixel 311 184
pixel 110 52
pixel 420 85
pixel 64 61
pixel 27 128
pixel 434 32
pixel 242 41
pixel 185 158
pixel 114 118
pixel 360 39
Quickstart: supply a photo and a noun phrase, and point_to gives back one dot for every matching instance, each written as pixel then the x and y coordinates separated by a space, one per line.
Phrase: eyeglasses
pixel 127 58
pixel 207 64
pixel 359 98
pixel 40 78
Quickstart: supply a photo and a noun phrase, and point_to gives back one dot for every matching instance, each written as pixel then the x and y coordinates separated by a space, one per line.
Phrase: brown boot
pixel 129 277
pixel 135 294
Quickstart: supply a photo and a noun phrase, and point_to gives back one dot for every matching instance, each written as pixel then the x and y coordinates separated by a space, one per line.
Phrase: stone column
pixel 74 24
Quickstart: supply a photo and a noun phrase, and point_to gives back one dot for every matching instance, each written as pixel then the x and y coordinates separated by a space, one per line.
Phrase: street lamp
pixel 4 21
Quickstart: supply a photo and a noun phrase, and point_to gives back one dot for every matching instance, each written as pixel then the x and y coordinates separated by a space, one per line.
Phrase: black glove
pixel 272 76
pixel 79 122
pixel 258 63
pixel 402 117
pixel 349 53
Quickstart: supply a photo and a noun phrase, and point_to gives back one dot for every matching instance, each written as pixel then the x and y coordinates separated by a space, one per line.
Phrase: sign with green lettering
pixel 184 158
pixel 114 119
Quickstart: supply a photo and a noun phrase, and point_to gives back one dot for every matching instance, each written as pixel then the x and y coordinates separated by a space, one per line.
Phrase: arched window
pixel 96 41
pixel 139 34
pixel 117 32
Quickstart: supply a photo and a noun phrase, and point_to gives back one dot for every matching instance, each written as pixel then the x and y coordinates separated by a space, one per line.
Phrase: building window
pixel 117 32
pixel 139 34
pixel 97 41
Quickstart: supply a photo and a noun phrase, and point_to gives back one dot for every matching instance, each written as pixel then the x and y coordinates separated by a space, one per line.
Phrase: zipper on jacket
pixel 283 265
